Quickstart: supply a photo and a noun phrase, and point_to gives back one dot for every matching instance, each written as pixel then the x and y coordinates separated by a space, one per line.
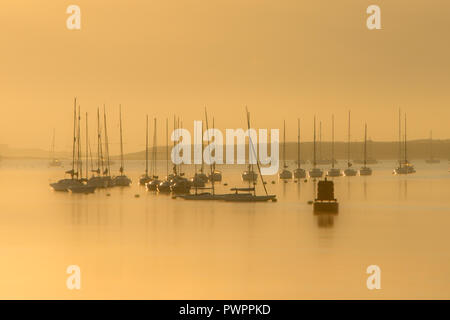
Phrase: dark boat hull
pixel 248 198
pixel 82 189
pixel 326 206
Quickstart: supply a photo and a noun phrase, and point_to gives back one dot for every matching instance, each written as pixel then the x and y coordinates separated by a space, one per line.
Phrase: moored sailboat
pixel 152 185
pixel 299 173
pixel 285 174
pixel 164 186
pixel 249 194
pixel 315 172
pixel 404 167
pixel 145 178
pixel 83 186
pixel 122 180
pixel 333 172
pixel 349 171
pixel 365 170
pixel 64 184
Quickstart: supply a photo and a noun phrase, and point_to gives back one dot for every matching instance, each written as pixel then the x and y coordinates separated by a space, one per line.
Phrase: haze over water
pixel 155 247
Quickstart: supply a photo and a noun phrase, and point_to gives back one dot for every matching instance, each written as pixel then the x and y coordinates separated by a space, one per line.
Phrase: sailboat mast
pixel 400 137
pixel 405 142
pixel 175 171
pixel 146 147
pixel 87 149
pixel 298 143
pixel 179 125
pixel 250 165
pixel 332 141
pixel 108 164
pixel 99 146
pixel 211 164
pixel 284 143
pixel 314 144
pixel 121 142
pixel 348 140
pixel 365 145
pixel 79 160
pixel 214 164
pixel 256 156
pixel 167 147
pixel 74 135
pixel 154 149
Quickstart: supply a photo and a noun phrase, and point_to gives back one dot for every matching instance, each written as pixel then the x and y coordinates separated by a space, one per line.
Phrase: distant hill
pixel 417 149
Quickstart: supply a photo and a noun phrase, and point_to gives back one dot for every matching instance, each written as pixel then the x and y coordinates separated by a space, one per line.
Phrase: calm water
pixel 154 247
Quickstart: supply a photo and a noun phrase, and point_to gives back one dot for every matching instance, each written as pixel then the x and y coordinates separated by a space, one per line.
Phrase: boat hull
pixel 121 181
pixel 350 172
pixel 365 171
pixel 285 175
pixel 153 185
pixel 249 176
pixel 299 173
pixel 82 189
pixel 326 207
pixel 334 173
pixel 164 187
pixel 315 173
pixel 64 184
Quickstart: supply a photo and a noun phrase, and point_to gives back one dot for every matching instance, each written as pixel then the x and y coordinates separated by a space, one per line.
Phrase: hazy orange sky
pixel 284 59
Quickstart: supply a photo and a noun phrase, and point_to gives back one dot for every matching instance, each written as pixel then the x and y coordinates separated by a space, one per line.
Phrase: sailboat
pixel 122 180
pixel 333 172
pixel 153 184
pixel 83 186
pixel 54 162
pixel 107 170
pixel 249 194
pixel 349 172
pixel 315 172
pixel 299 173
pixel 201 193
pixel 199 179
pixel 431 160
pixel 404 166
pixel 178 183
pixel 285 174
pixel 64 184
pixel 365 170
pixel 99 180
pixel 249 175
pixel 215 175
pixel 320 160
pixel 164 186
pixel 145 178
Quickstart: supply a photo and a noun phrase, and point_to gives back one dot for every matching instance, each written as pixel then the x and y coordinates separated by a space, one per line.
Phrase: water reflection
pixel 403 188
pixel 365 187
pixel 164 248
pixel 324 219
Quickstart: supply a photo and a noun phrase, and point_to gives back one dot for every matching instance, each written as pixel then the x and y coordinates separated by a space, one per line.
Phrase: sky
pixel 284 59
